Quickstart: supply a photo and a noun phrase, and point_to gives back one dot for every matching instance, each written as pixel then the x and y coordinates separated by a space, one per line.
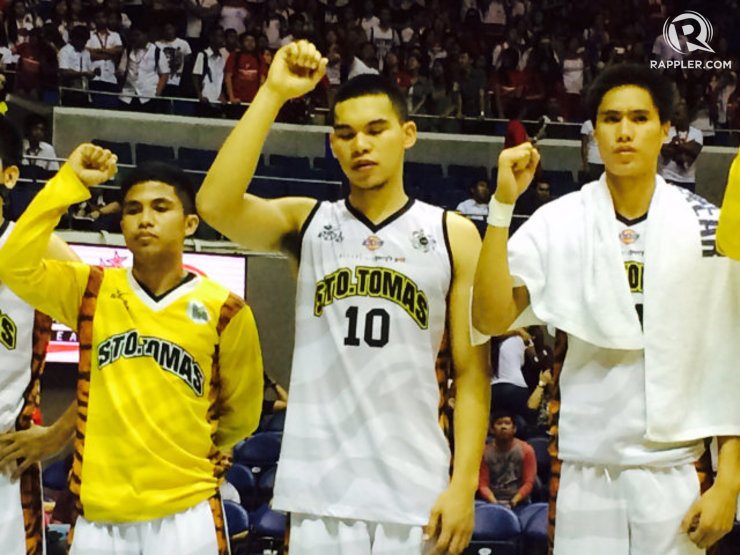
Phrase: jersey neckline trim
pixel 628 222
pixel 158 302
pixel 389 220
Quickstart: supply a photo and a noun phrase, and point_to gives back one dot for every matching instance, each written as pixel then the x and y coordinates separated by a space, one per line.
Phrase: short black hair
pixel 660 87
pixel 502 413
pixel 32 120
pixel 11 146
pixel 165 173
pixel 371 84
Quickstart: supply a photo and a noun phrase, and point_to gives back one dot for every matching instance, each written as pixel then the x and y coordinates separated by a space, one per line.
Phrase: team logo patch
pixel 8 331
pixel 423 242
pixel 372 243
pixel 197 312
pixel 331 233
pixel 628 236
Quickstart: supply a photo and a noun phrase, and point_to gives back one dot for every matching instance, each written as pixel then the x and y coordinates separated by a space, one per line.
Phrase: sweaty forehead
pixel 627 98
pixel 361 110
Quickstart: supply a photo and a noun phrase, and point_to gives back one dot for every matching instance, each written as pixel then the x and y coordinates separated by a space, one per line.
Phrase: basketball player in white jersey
pixel 23 337
pixel 364 465
pixel 628 484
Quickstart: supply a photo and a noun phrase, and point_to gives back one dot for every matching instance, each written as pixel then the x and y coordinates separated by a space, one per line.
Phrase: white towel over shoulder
pixel 568 256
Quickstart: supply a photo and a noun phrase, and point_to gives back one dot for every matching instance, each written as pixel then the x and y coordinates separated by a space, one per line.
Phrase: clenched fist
pixel 516 167
pixel 295 70
pixel 92 164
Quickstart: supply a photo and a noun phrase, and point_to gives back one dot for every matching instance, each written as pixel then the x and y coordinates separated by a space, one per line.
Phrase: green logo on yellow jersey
pixel 369 281
pixel 169 356
pixel 8 331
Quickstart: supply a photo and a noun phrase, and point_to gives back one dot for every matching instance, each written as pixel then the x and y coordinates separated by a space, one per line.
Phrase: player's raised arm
pixel 53 287
pixel 257 223
pixel 452 516
pixel 496 302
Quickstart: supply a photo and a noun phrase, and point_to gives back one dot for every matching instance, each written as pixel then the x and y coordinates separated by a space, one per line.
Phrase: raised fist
pixel 295 70
pixel 516 167
pixel 92 164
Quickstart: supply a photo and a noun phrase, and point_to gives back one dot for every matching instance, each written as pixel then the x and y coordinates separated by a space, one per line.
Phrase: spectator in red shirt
pixel 244 71
pixel 508 467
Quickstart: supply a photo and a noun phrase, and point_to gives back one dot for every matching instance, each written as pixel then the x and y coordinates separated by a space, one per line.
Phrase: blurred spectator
pixel 591 162
pixel 509 467
pixel 118 20
pixel 105 47
pixel 476 207
pixel 243 73
pixel 293 31
pixel 75 67
pixel 441 101
pixel 59 18
pixel 201 18
pixel 21 21
pixel 538 356
pixel 178 54
pixel 369 19
pixel 383 36
pixel 37 66
pixel 508 389
pixel 507 83
pixel 534 197
pixel 419 86
pixel 677 162
pixel 281 396
pixel 34 144
pixel 144 71
pixel 77 15
pixel 472 89
pixel 272 24
pixel 574 78
pixel 208 75
pixel 231 40
pixel 333 72
pixel 234 14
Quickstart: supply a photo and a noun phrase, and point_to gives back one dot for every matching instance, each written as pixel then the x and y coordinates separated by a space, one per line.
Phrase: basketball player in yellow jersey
pixel 378 275
pixel 728 230
pixel 170 364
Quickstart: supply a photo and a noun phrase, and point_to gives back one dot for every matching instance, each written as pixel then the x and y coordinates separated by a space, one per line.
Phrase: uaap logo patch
pixel 423 242
pixel 332 233
pixel 628 236
pixel 197 312
pixel 372 243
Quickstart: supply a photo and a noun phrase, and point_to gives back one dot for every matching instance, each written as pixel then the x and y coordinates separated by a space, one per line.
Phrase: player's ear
pixel 409 134
pixel 10 176
pixel 191 224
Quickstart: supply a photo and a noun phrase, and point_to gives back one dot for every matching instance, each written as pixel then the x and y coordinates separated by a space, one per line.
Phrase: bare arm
pixel 496 302
pixel 712 516
pixel 256 223
pixel 452 516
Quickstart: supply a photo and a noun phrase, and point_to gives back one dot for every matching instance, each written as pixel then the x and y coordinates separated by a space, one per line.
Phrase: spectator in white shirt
pixel 105 47
pixel 476 207
pixel 144 70
pixel 178 52
pixel 677 162
pixel 591 162
pixel 201 19
pixel 75 67
pixel 36 151
pixel 208 75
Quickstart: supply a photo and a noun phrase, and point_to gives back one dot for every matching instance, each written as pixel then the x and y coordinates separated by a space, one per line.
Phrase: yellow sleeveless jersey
pixel 728 230
pixel 165 385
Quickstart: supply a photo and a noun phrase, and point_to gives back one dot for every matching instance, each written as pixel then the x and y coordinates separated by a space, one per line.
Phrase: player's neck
pixel 631 195
pixel 504 444
pixel 380 202
pixel 159 273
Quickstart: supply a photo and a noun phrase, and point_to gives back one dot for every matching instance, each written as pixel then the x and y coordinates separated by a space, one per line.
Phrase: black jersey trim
pixel 389 220
pixel 156 298
pixel 4 227
pixel 446 235
pixel 310 216
pixel 628 222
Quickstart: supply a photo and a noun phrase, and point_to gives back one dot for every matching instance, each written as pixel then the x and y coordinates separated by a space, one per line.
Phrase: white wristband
pixel 499 214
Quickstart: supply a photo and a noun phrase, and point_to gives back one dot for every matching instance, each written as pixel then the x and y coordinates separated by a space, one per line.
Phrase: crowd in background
pixel 458 61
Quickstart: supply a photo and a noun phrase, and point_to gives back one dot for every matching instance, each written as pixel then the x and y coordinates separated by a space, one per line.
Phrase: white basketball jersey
pixel 362 439
pixel 16 348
